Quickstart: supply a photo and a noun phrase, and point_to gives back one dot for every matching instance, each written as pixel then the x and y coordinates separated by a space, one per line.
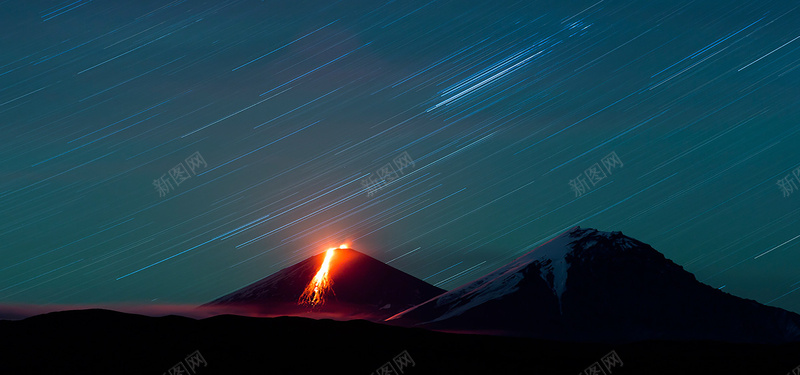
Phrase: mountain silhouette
pixel 362 287
pixel 588 285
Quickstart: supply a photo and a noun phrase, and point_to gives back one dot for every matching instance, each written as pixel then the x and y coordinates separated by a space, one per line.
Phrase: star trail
pixel 172 152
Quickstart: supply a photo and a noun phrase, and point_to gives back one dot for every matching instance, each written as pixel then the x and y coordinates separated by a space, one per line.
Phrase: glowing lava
pixel 315 291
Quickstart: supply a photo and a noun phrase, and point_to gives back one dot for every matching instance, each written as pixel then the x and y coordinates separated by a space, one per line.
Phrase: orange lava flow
pixel 315 291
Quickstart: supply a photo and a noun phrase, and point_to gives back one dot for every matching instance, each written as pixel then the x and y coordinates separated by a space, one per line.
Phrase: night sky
pixel 164 152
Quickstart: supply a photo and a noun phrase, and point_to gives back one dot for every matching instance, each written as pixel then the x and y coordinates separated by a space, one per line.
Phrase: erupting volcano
pixel 314 294
pixel 365 288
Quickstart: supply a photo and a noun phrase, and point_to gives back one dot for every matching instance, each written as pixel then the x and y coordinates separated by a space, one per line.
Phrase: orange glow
pixel 315 291
pixel 343 246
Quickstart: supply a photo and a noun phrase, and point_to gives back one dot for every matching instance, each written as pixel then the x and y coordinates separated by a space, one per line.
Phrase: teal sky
pixel 295 107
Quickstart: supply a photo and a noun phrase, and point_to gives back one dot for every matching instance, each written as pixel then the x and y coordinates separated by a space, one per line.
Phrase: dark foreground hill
pixel 108 342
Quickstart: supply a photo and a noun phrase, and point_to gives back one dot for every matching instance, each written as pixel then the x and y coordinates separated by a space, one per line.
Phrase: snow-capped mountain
pixel 362 287
pixel 588 285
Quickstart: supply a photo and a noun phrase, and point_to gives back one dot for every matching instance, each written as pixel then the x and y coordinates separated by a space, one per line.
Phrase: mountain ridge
pixel 362 287
pixel 588 285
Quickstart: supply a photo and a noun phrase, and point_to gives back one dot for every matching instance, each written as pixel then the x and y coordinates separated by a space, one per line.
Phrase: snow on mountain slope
pixel 587 285
pixel 551 255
